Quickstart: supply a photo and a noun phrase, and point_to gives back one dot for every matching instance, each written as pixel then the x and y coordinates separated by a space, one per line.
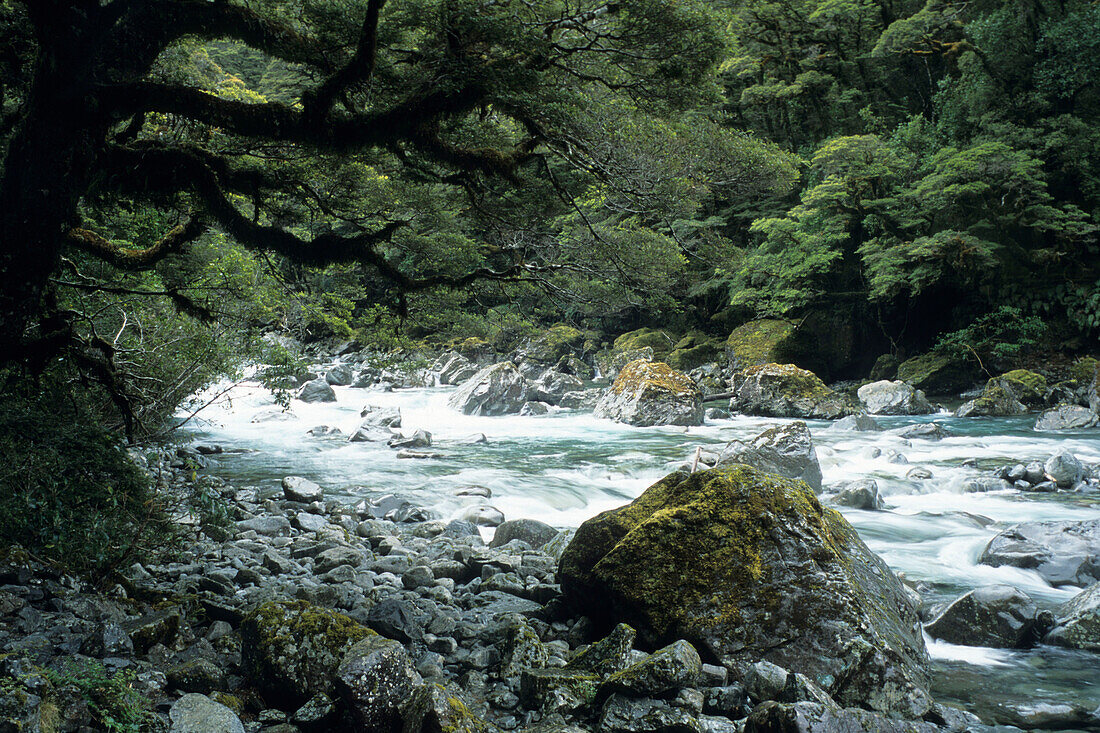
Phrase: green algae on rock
pixel 937 373
pixel 652 393
pixel 784 390
pixel 757 342
pixel 749 566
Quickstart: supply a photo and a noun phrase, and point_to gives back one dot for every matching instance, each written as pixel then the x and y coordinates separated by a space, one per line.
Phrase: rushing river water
pixel 567 466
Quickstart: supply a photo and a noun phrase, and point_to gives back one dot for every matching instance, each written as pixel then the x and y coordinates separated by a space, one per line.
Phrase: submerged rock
pixel 652 393
pixel 786 450
pixel 1078 621
pixel 749 566
pixel 857 423
pixel 894 398
pixel 784 390
pixel 499 389
pixel 861 494
pixel 997 616
pixel 1064 553
pixel 1067 417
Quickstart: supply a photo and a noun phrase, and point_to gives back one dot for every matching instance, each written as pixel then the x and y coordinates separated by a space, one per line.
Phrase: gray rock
pixel 1064 553
pixel 918 473
pixel 608 655
pixel 267 525
pixel 585 399
pixel 1064 469
pixel 317 390
pixel 453 368
pixel 812 717
pixel 499 389
pixel 651 393
pixel 786 450
pixel 552 386
pixel 557 690
pixel 716 413
pixel 417 439
pixel 340 375
pixel 623 715
pixel 784 390
pixel 1078 621
pixel 194 713
pixel 996 400
pixel 369 433
pixel 665 670
pixel 532 409
pixel 197 675
pixel 374 679
pixel 857 423
pixel 777 566
pixel 861 494
pixel 531 531
pixel 296 488
pixel 433 707
pixel 109 640
pixel 894 398
pixel 482 515
pixel 309 522
pixel 324 431
pixel 996 616
pixel 925 431
pixel 383 417
pixel 1067 417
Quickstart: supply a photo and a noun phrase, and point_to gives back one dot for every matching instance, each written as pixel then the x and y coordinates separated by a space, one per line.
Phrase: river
pixel 567 466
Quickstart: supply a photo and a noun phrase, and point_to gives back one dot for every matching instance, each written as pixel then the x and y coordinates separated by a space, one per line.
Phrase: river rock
pixel 374 679
pixel 533 532
pixel 291 649
pixel 861 494
pixel 495 390
pixel 1067 417
pixel 534 409
pixel 784 390
pixel 924 431
pixel 857 423
pixel 194 713
pixel 813 717
pixel 652 393
pixel 1064 469
pixel 340 375
pixel 368 432
pixel 584 399
pixel 786 450
pixel 1078 625
pixel 418 438
pixel 317 390
pixel 552 386
pixel 894 398
pixel 998 616
pixel 453 368
pixel 296 488
pixel 996 400
pixel 733 559
pixel 665 670
pixel 1064 553
pixel 433 707
pixel 383 417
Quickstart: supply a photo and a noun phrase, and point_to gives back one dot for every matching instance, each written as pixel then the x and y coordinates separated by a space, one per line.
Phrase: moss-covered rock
pixel 652 393
pixel 749 566
pixel 784 390
pixel 1026 386
pixel 937 373
pixel 693 350
pixel 553 344
pixel 660 341
pixel 291 649
pixel 996 400
pixel 433 707
pixel 757 342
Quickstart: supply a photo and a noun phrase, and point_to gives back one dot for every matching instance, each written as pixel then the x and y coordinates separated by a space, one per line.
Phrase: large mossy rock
pixel 784 390
pixel 749 566
pixel 936 373
pixel 551 345
pixel 758 342
pixel 660 341
pixel 652 393
pixel 291 649
pixel 995 401
pixel 694 350
pixel 495 390
pixel 1026 386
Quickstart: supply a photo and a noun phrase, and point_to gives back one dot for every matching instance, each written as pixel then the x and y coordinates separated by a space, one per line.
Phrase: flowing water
pixel 567 466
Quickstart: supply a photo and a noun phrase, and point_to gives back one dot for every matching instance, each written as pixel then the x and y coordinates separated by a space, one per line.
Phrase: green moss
pixel 653 375
pixel 757 342
pixel 694 349
pixel 659 341
pixel 555 342
pixel 1084 370
pixel 793 382
pixel 1028 387
pixel 938 373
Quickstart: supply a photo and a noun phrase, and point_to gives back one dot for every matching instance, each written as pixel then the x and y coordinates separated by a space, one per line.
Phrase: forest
pixel 190 188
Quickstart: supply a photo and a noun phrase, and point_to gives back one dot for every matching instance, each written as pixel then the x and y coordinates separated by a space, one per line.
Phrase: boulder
pixel 614 363
pixel 418 438
pixel 552 345
pixel 453 368
pixel 575 367
pixel 621 714
pixel 784 390
pixel 552 386
pixel 1067 417
pixel 652 393
pixel 1078 621
pixel 370 433
pixel 296 488
pixel 995 401
pixel 340 375
pixel 758 342
pixel 1064 469
pixel 533 532
pixel 194 713
pixel 666 670
pixel 609 655
pixel 861 494
pixel 317 390
pixel 534 409
pixel 374 679
pixel 786 450
pixel 660 341
pixel 433 707
pixel 924 431
pixel 383 417
pixel 857 423
pixel 894 398
pixel 996 615
pixel 815 717
pixel 1064 553
pixel 291 649
pixel 749 566
pixel 694 350
pixel 936 373
pixel 1028 387
pixel 495 390
pixel 584 399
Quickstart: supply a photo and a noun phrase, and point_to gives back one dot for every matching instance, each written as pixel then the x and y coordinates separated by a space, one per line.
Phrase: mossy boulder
pixel 758 342
pixel 433 707
pixel 1026 386
pixel 784 390
pixel 291 649
pixel 938 373
pixel 551 345
pixel 612 362
pixel 693 350
pixel 996 400
pixel 652 393
pixel 660 341
pixel 749 566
